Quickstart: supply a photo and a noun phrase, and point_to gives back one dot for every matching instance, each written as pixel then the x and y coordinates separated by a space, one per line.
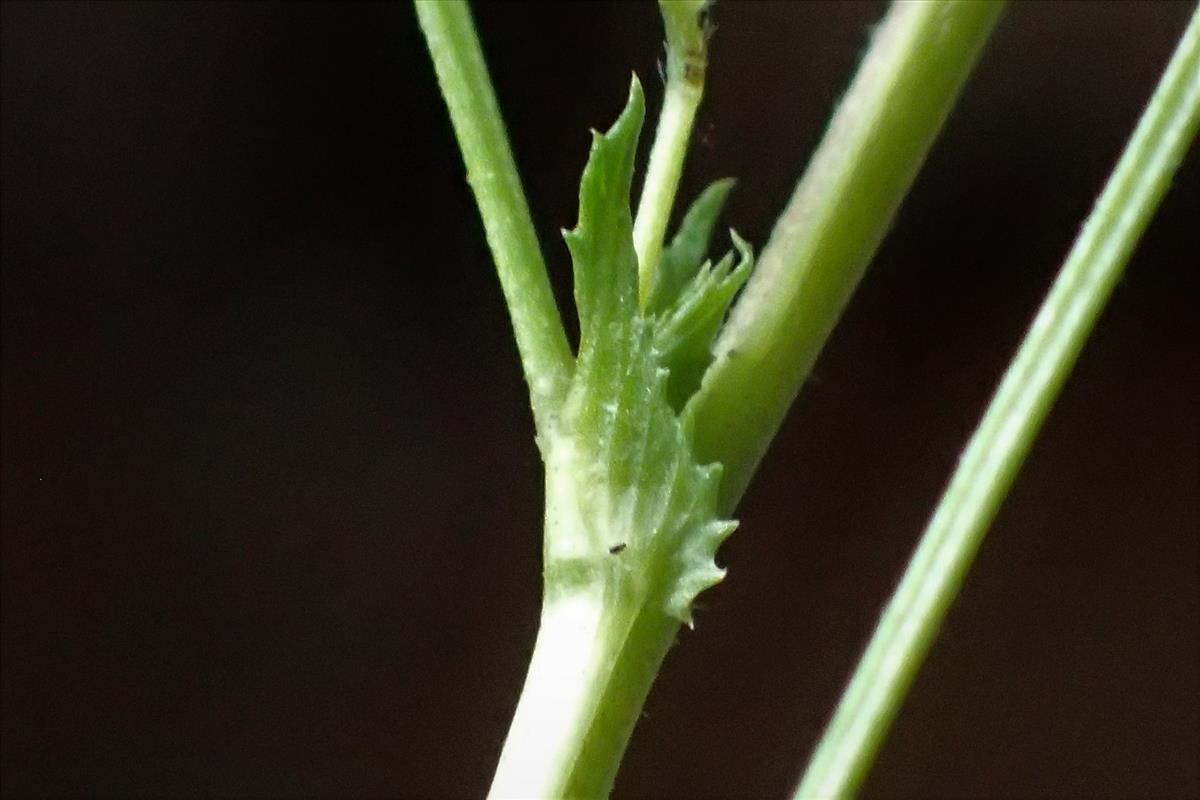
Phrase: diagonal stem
pixel 492 173
pixel 919 58
pixel 999 446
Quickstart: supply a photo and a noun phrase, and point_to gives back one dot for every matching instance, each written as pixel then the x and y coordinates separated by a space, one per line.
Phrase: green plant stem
pixel 686 64
pixel 594 662
pixel 662 179
pixel 843 206
pixel 492 174
pixel 999 446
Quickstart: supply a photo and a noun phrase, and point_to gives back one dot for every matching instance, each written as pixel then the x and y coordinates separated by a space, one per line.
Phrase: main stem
pixel 919 58
pixel 492 174
pixel 595 659
pixel 1012 420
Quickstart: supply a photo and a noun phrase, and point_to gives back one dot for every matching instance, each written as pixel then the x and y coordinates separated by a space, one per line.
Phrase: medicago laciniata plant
pixel 652 429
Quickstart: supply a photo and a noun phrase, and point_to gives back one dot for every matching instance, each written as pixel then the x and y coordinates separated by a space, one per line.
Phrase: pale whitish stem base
pixel 591 669
pixel 558 700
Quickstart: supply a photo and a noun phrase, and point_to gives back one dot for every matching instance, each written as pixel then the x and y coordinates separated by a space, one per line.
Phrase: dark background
pixel 271 504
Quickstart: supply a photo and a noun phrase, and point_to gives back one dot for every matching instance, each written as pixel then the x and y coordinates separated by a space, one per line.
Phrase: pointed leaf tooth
pixel 679 604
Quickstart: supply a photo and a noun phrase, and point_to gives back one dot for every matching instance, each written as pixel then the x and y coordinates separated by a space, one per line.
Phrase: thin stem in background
pixel 918 60
pixel 999 446
pixel 492 173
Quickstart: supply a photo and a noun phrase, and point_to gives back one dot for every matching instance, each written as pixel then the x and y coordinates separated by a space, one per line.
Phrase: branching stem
pixel 597 654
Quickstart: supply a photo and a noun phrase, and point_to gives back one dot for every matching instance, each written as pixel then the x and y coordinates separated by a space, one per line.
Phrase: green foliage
pixel 627 503
pixel 691 297
pixel 632 512
pixel 685 252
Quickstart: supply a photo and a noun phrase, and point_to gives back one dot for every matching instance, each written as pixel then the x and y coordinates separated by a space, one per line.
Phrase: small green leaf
pixel 686 331
pixel 683 256
pixel 601 244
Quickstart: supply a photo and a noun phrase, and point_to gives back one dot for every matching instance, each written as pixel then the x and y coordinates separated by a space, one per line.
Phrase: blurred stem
pixel 918 60
pixel 492 174
pixel 1012 420
pixel 686 63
